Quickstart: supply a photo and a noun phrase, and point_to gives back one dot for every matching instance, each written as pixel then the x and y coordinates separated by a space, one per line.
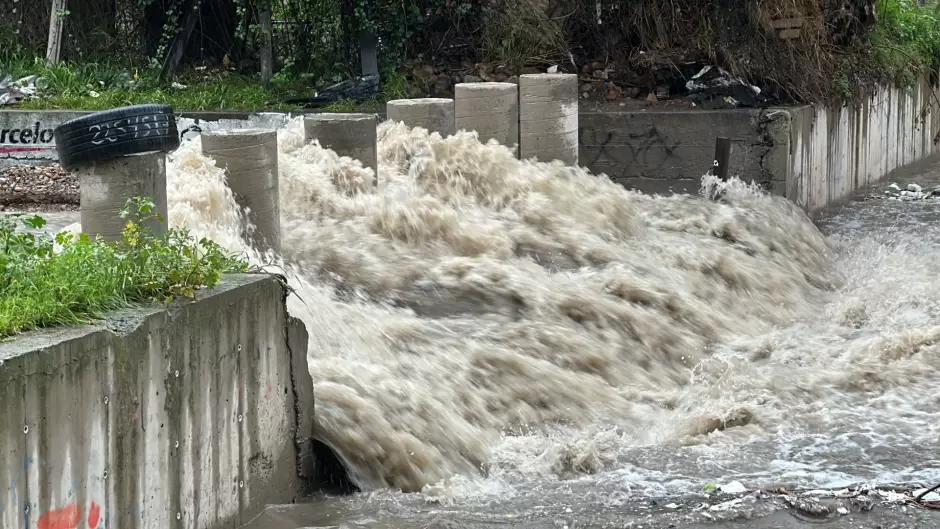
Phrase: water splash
pixel 476 317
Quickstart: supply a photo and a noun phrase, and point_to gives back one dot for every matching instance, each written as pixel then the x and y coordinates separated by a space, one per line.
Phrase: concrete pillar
pixel 249 157
pixel 106 185
pixel 351 135
pixel 548 117
pixel 431 113
pixel 491 109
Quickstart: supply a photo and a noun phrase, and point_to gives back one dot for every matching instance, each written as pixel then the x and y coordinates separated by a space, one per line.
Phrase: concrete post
pixel 351 135
pixel 491 109
pixel 431 113
pixel 548 117
pixel 106 185
pixel 249 157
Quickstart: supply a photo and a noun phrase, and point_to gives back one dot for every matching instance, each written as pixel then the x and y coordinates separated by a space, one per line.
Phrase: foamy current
pixel 479 323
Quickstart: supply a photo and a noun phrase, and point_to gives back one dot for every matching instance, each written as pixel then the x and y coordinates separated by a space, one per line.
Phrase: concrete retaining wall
pixel 835 151
pixel 183 417
pixel 814 155
pixel 670 151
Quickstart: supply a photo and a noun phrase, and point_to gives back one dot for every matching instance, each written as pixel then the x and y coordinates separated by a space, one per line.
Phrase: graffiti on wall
pixel 650 149
pixel 37 138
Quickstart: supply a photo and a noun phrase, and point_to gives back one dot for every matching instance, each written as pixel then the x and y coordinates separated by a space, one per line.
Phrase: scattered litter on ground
pixel 715 88
pixel 12 92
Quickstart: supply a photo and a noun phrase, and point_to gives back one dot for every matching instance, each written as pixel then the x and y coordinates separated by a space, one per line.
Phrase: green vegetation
pixel 906 40
pixel 95 86
pixel 67 280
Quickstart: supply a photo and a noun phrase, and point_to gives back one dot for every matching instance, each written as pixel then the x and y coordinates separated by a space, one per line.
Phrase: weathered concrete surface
pixel 490 109
pixel 548 117
pixel 655 151
pixel 180 417
pixel 352 135
pixel 27 135
pixel 106 186
pixel 835 151
pixel 434 114
pixel 249 157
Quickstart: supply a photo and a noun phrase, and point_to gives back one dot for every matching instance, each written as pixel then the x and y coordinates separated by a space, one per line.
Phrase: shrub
pixel 46 281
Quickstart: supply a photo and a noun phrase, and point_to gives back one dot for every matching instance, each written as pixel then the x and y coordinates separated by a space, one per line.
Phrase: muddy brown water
pixel 503 343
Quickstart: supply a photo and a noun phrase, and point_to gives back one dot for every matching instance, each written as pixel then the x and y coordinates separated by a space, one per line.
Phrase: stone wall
pixel 161 417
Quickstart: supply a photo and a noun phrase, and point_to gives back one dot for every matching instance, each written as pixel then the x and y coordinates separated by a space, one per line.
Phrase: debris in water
pixel 735 487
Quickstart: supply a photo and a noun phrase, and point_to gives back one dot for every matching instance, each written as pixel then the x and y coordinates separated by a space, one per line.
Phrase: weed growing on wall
pixel 47 281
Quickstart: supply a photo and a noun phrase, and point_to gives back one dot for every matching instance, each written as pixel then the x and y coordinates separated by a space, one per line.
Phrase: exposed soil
pixel 37 188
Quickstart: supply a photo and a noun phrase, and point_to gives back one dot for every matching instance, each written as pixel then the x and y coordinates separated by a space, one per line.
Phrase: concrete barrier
pixel 106 185
pixel 490 109
pixel 249 157
pixel 351 135
pixel 814 155
pixel 836 150
pixel 156 418
pixel 548 117
pixel 430 113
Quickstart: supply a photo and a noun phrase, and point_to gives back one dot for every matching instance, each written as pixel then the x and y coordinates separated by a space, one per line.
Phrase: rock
pixel 424 75
pixel 443 85
pixel 914 188
pixel 586 87
pixel 472 79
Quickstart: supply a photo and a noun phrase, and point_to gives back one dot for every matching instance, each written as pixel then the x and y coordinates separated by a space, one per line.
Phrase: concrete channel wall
pixel 179 417
pixel 813 155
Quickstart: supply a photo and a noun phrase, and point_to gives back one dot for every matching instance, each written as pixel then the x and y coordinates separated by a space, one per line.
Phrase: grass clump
pixel 93 86
pixel 46 281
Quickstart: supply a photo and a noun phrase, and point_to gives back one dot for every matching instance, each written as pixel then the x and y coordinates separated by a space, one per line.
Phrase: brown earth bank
pixel 37 188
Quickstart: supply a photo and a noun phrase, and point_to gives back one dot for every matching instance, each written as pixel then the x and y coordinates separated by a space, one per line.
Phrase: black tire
pixel 114 133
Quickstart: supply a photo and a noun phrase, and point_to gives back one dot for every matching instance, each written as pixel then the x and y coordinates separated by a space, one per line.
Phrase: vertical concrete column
pixel 548 117
pixel 431 113
pixel 351 135
pixel 491 109
pixel 106 185
pixel 249 157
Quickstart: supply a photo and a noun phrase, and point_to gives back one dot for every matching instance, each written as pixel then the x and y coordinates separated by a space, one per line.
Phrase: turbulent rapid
pixel 477 321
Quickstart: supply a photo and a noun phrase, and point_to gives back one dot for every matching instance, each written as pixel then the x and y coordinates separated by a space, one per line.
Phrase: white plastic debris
pixel 933 496
pixel 553 68
pixel 894 187
pixel 914 188
pixel 892 497
pixel 735 487
pixel 727 505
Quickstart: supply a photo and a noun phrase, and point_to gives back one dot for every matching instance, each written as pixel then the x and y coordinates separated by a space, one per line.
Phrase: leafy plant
pixel 46 281
pixel 906 40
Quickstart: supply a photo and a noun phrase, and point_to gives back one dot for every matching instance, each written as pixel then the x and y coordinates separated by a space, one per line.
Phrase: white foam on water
pixel 482 326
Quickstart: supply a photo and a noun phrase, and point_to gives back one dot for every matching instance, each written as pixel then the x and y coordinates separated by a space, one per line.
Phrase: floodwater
pixel 502 342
